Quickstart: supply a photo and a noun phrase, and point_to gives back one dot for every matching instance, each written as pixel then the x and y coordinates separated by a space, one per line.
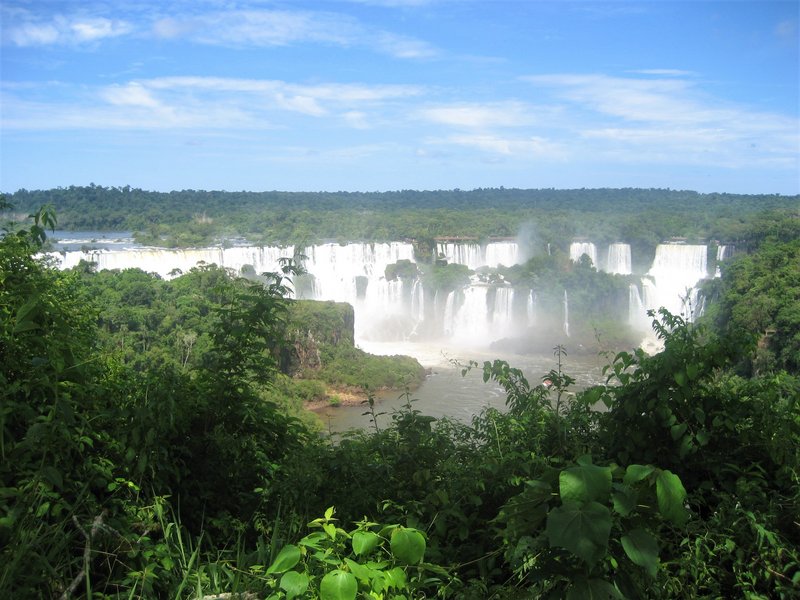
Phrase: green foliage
pixel 643 217
pixel 402 269
pixel 760 296
pixel 350 366
pixel 149 450
pixel 600 526
pixel 372 560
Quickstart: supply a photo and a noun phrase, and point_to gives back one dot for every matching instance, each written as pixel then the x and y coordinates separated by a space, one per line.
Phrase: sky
pixel 376 95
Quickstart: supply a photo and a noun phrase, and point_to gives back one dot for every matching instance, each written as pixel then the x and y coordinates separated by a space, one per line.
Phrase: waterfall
pixel 474 256
pixel 578 249
pixel 723 252
pixel 164 262
pixel 503 313
pixel 618 261
pixel 676 270
pixel 461 253
pixel 394 310
pixel 501 253
pixel 531 308
pixel 637 314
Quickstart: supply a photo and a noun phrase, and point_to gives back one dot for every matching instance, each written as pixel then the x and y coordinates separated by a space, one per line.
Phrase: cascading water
pixel 166 262
pixel 461 253
pixel 474 256
pixel 671 281
pixel 400 310
pixel 723 252
pixel 618 261
pixel 502 253
pixel 578 249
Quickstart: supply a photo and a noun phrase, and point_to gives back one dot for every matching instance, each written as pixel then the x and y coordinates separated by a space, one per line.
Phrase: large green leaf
pixel 642 548
pixel 364 542
pixel 338 585
pixel 294 584
pixel 287 558
pixel 585 483
pixel 671 496
pixel 635 473
pixel 408 545
pixel 583 529
pixel 624 499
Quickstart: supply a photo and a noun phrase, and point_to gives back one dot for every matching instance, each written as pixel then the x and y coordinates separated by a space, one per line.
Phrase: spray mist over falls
pixel 406 308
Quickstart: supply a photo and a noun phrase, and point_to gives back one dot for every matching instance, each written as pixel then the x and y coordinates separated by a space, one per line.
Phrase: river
pixel 446 393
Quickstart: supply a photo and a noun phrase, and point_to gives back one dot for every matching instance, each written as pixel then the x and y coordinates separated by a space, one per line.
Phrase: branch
pixel 97 526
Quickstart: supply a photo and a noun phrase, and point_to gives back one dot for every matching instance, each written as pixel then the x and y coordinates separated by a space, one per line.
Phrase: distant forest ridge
pixel 642 217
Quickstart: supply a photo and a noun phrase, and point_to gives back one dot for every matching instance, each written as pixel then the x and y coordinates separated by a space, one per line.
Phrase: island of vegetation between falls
pixel 150 448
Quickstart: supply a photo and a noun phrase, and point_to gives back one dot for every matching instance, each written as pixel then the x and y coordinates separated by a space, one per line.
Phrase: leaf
pixel 287 558
pixel 395 578
pixel 585 483
pixel 677 431
pixel 408 545
pixel 338 585
pixel 680 378
pixel 592 589
pixel 671 496
pixel 364 542
pixel 692 370
pixel 360 571
pixel 642 548
pixel 294 584
pixel 52 476
pixel 581 529
pixel 635 473
pixel 24 318
pixel 624 499
pixel 330 529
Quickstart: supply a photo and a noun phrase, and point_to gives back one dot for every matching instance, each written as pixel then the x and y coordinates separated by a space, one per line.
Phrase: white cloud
pixel 525 147
pixel 64 30
pixel 200 102
pixel 404 47
pixel 247 28
pixel 667 120
pixel 356 119
pixel 132 94
pixel 481 116
pixel 664 72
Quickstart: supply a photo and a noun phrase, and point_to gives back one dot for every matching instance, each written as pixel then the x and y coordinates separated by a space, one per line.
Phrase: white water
pixel 723 252
pixel 578 249
pixel 392 316
pixel 393 311
pixel 474 256
pixel 672 280
pixel 618 261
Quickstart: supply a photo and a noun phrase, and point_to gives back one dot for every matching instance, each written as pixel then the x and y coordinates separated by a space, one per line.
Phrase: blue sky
pixel 400 94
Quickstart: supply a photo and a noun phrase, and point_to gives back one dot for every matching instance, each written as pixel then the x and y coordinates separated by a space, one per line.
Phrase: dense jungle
pixel 156 441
